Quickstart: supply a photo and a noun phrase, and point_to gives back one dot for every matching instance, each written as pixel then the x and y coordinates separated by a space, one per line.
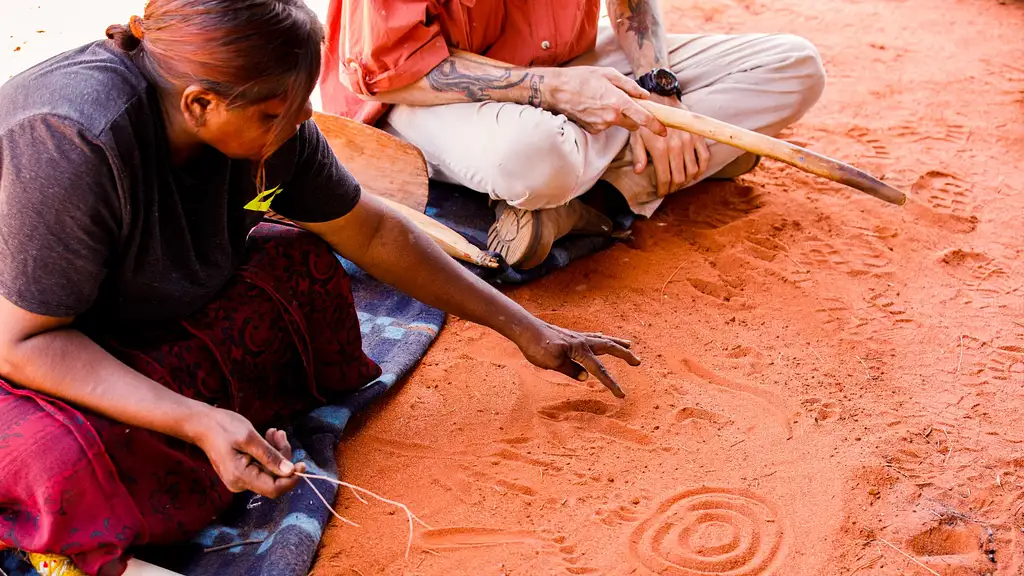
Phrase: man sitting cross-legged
pixel 539 134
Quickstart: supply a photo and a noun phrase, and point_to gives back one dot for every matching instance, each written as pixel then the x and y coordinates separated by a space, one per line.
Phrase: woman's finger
pixel 279 439
pixel 604 346
pixel 267 455
pixel 258 480
pixel 284 485
pixel 601 335
pixel 252 476
pixel 585 357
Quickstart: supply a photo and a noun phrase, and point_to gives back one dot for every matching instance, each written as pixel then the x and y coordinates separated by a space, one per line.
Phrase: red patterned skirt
pixel 280 340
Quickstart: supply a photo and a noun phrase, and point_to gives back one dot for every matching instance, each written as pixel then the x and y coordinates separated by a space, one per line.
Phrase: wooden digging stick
pixel 754 142
pixel 780 150
pixel 395 172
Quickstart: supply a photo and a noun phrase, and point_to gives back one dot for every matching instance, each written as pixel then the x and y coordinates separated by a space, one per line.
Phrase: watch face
pixel 665 79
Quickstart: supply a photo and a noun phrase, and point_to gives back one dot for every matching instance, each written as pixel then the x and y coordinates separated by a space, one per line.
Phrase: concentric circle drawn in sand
pixel 710 530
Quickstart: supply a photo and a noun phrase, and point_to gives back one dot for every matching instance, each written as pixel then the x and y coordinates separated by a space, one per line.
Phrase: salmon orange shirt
pixel 380 45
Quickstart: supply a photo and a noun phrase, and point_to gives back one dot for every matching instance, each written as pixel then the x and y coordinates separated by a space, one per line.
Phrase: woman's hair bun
pixel 128 37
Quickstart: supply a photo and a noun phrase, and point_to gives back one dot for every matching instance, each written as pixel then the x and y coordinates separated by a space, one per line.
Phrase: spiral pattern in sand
pixel 711 531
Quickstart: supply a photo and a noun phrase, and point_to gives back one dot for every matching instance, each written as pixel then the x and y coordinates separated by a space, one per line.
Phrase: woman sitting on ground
pixel 150 321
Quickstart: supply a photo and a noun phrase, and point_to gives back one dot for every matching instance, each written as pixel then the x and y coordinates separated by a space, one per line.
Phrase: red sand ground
pixel 822 372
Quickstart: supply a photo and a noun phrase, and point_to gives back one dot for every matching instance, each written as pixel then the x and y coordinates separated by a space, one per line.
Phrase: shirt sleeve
pixel 387 44
pixel 60 215
pixel 320 189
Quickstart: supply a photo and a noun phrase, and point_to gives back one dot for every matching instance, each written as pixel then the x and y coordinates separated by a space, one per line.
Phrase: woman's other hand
pixel 243 459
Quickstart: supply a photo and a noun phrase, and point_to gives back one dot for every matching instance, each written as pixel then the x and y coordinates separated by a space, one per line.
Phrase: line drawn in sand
pixel 550 545
pixel 691 367
pixel 595 416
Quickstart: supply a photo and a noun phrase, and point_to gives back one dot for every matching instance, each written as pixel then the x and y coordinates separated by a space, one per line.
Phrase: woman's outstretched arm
pixel 395 251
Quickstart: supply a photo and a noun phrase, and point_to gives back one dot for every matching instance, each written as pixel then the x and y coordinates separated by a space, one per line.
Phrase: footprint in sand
pixel 596 417
pixel 965 546
pixel 857 256
pixel 747 358
pixel 712 531
pixel 981 274
pixel 711 205
pixel 825 255
pixel 886 300
pixel 918 131
pixel 945 200
pixel 1004 362
pixel 713 289
pixel 833 310
pixel 879 231
pixel 872 140
pixel 614 516
pixel 879 315
pixel 821 410
pixel 944 540
pixel 764 247
pixel 501 485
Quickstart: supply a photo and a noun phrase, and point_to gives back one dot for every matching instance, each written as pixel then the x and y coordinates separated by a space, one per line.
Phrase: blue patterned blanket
pixel 261 537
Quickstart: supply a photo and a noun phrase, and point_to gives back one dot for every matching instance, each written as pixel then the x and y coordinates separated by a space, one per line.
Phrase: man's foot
pixel 738 167
pixel 524 237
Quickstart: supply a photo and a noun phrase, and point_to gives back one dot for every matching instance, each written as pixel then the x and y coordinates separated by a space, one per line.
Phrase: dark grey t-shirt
pixel 96 222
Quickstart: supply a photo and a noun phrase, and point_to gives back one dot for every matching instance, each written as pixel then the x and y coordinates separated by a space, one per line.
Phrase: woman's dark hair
pixel 246 51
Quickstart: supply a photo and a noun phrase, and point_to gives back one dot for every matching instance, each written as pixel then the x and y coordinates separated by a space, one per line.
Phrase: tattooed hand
pixel 596 98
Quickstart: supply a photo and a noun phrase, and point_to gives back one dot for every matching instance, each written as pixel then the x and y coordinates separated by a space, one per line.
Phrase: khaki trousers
pixel 535 159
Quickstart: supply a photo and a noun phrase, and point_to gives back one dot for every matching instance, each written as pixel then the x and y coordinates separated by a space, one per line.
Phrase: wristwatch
pixel 662 82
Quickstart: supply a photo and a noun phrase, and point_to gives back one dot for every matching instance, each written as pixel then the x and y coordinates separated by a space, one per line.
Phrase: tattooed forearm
pixel 638 24
pixel 464 77
pixel 643 21
pixel 446 77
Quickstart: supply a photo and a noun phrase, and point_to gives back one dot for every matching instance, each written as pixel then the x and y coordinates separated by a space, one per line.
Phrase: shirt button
pixel 545 45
